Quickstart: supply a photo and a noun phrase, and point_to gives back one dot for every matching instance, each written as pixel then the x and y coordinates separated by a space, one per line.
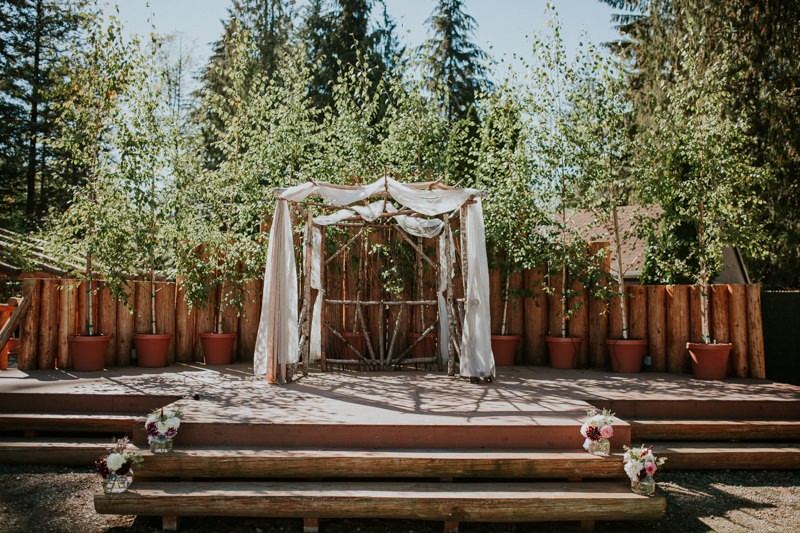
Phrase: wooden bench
pixel 452 503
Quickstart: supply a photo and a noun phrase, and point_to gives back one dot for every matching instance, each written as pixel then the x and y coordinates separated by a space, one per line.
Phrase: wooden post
pixel 677 328
pixel 737 323
pixel 203 322
pixel 184 325
pixel 535 311
pixel 657 327
pixel 126 326
pixel 80 309
pixel 578 325
pixel 720 332
pixel 142 307
pixel 48 325
pixel 637 307
pixel 695 315
pixel 614 314
pixel 305 331
pixel 67 303
pixel 28 339
pixel 554 304
pixel 248 322
pixel 107 324
pixel 166 315
pixel 495 300
pixel 755 333
pixel 598 315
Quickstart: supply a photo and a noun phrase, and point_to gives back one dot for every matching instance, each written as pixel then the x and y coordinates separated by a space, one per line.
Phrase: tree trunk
pixel 33 124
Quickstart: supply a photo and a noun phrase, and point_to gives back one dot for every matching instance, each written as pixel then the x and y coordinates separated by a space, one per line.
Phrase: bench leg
pixel 451 526
pixel 587 525
pixel 310 525
pixel 169 523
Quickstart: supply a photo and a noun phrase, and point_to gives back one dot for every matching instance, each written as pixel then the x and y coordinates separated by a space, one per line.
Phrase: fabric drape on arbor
pixel 277 339
pixel 476 357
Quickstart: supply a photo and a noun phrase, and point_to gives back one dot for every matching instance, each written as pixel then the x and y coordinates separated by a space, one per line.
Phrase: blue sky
pixel 503 25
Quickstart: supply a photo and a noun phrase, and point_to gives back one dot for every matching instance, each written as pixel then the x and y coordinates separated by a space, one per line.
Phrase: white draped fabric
pixel 277 340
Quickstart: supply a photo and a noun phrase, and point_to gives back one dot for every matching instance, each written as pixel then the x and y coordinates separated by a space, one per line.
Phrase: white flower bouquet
pixel 161 427
pixel 641 464
pixel 597 428
pixel 116 468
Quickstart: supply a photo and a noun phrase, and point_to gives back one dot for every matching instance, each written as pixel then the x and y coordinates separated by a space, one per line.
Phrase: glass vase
pixel 599 447
pixel 161 445
pixel 645 486
pixel 117 483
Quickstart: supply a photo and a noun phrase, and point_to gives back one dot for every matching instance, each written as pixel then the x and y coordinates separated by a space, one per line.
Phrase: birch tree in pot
pixel 600 118
pixel 150 141
pixel 219 212
pixel 547 104
pixel 698 169
pixel 512 213
pixel 91 227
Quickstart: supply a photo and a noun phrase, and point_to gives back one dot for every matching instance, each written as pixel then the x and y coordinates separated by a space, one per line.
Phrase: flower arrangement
pixel 161 427
pixel 640 465
pixel 116 468
pixel 597 429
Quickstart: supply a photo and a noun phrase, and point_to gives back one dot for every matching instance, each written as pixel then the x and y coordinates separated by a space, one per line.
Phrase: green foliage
pixel 89 116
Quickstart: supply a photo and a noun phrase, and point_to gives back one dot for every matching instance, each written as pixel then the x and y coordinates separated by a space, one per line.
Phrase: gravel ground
pixel 57 499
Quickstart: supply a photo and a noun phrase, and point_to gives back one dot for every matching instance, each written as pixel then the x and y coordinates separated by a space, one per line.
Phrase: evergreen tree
pixel 268 25
pixel 34 34
pixel 338 35
pixel 452 69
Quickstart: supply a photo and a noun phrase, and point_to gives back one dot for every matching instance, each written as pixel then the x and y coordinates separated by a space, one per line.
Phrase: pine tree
pixel 338 35
pixel 33 34
pixel 452 66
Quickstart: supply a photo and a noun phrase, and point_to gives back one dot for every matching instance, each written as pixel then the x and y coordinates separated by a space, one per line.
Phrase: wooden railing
pixel 667 316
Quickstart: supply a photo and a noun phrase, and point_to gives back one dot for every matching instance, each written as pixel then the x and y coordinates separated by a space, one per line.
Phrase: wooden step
pixel 32 402
pixel 664 407
pixel 729 455
pixel 476 502
pixel 713 430
pixel 547 432
pixel 196 463
pixel 54 451
pixel 111 423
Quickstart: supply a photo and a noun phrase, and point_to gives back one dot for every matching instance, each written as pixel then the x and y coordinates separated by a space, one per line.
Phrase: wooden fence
pixel 667 316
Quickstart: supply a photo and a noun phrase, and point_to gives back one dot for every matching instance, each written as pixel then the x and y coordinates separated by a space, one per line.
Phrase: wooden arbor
pixel 378 321
pixel 286 337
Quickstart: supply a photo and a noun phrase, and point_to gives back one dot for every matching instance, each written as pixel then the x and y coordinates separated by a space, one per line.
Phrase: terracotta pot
pixel 425 348
pixel 359 343
pixel 88 354
pixel 563 351
pixel 504 348
pixel 709 361
pixel 151 350
pixel 13 346
pixel 217 347
pixel 626 354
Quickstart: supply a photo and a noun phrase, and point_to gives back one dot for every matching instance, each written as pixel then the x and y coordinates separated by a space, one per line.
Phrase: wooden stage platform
pixel 244 446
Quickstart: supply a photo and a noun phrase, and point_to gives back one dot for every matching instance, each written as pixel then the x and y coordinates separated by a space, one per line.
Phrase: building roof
pixel 592 229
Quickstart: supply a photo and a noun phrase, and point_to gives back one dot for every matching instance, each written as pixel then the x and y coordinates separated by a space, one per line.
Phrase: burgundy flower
pixel 593 433
pixel 102 468
pixel 152 429
pixel 124 469
pixel 171 432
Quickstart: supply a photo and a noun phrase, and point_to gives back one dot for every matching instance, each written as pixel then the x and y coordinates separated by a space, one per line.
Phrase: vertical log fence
pixel 666 316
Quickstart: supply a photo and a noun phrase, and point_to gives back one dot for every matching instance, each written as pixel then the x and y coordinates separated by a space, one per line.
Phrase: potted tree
pixel 548 106
pixel 148 146
pixel 91 228
pixel 219 212
pixel 698 168
pixel 512 213
pixel 600 115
